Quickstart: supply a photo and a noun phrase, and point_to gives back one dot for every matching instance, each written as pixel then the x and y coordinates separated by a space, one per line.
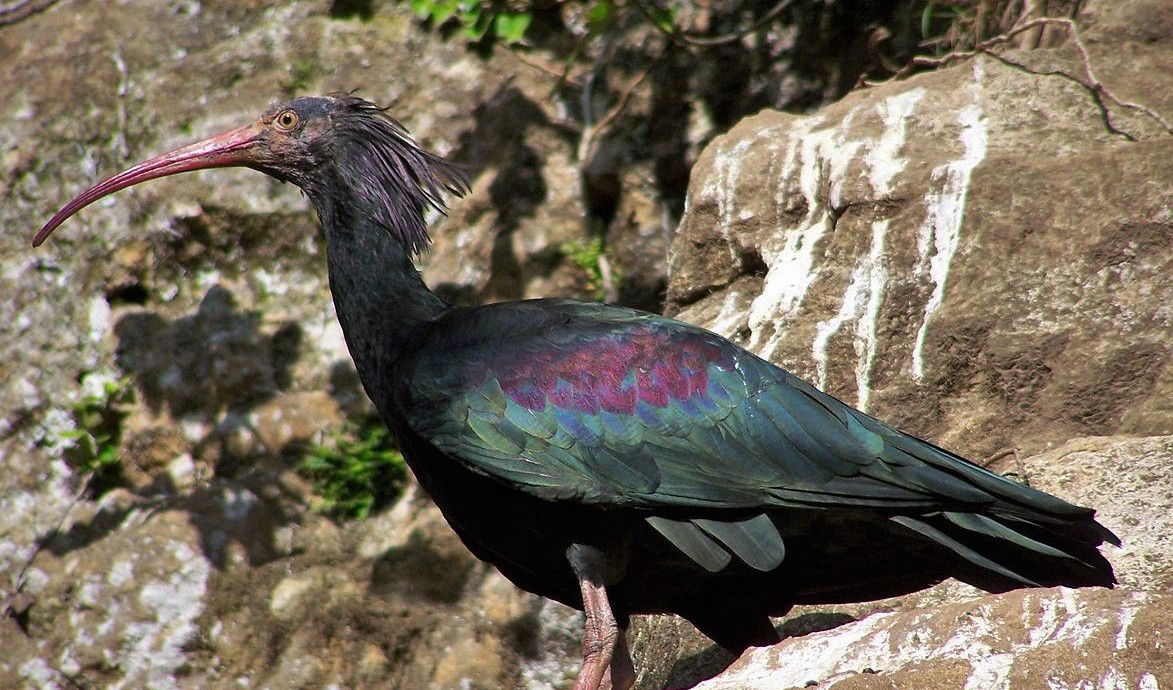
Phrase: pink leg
pixel 598 639
pixel 606 663
pixel 621 674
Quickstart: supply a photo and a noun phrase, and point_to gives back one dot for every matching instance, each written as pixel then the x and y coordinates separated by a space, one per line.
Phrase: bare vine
pixel 1088 80
pixel 17 601
pixel 13 12
pixel 1019 467
pixel 710 41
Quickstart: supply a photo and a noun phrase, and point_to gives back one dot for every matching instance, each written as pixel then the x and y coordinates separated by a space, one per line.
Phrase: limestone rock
pixel 203 568
pixel 980 256
pixel 1022 639
pixel 971 255
pixel 954 636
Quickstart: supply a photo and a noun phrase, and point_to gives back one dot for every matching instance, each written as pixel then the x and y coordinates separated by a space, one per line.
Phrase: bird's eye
pixel 286 120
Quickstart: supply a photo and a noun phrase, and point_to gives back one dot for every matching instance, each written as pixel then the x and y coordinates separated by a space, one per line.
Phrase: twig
pixel 74 681
pixel 588 85
pixel 1018 466
pixel 1088 81
pixel 16 11
pixel 10 604
pixel 982 47
pixel 591 131
pixel 562 76
pixel 710 41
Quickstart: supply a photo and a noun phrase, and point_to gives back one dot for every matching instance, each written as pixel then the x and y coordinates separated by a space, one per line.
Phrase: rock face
pixel 1026 639
pixel 954 636
pixel 971 254
pixel 982 256
pixel 949 638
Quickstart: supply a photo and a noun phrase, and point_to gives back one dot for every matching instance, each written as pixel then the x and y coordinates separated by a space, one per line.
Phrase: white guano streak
pixel 864 294
pixel 728 165
pixel 730 317
pixel 849 309
pixel 945 200
pixel 865 328
pixel 819 156
pixel 722 186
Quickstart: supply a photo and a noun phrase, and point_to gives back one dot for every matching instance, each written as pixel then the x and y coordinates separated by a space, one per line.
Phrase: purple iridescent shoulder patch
pixel 614 371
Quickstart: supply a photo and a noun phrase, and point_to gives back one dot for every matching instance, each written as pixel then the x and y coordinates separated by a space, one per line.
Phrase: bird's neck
pixel 382 302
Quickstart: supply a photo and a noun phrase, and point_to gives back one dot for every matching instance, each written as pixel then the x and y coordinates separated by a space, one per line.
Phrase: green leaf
pixel 313 463
pixel 358 473
pixel 108 456
pixel 511 26
pixel 600 16
pixel 664 19
pixel 443 10
pixel 476 25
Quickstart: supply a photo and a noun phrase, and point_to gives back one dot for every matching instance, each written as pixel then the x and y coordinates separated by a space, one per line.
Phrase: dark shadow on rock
pixel 235 513
pixel 502 139
pixel 224 513
pixel 346 389
pixel 498 139
pixel 213 366
pixel 816 621
pixel 348 9
pixel 203 364
pixel 690 670
pixel 667 129
pixel 435 568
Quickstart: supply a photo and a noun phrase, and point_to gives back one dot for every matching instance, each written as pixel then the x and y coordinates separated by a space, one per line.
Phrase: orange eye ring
pixel 286 120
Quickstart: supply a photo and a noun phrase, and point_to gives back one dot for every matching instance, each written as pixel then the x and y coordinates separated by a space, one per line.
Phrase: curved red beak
pixel 234 148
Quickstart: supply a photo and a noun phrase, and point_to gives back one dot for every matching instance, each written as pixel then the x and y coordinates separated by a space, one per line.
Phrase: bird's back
pixel 706 471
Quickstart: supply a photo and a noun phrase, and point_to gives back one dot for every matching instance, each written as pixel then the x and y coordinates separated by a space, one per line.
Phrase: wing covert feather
pixel 616 407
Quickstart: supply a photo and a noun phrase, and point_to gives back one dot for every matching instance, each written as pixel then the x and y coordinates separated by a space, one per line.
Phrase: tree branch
pixel 1089 81
pixel 22 9
pixel 710 41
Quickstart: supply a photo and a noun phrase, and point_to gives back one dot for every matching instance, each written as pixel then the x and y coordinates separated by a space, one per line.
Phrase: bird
pixel 619 461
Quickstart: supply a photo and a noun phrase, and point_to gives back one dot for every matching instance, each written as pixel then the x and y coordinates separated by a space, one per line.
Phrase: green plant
pixel 359 471
pixel 477 20
pixel 589 256
pixel 508 21
pixel 958 26
pixel 93 443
